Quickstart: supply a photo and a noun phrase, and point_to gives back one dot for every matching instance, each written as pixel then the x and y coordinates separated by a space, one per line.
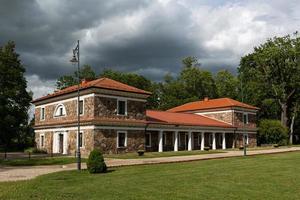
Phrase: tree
pixel 272 132
pixel 273 69
pixel 14 99
pixel 86 72
pixel 226 84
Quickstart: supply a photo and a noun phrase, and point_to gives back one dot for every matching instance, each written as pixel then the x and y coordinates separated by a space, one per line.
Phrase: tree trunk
pixel 284 114
pixel 292 130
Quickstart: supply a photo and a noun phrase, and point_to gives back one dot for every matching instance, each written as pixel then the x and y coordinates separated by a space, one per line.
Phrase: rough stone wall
pixel 48 141
pixel 251 140
pixel 107 107
pixel 238 120
pixel 88 142
pixel 106 141
pixel 223 116
pixel 71 112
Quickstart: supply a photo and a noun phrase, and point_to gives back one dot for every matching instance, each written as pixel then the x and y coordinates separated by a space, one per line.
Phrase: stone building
pixel 114 119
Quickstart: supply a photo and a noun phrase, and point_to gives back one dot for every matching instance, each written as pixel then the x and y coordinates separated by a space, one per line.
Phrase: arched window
pixel 60 110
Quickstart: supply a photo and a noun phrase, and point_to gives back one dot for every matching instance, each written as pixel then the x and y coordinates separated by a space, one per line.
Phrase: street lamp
pixel 75 59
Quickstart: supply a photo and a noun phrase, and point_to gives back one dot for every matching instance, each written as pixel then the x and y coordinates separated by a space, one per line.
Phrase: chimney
pixel 84 81
pixel 206 99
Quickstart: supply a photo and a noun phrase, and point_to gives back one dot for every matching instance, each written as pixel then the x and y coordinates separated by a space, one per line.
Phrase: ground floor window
pixel 42 140
pixel 80 139
pixel 122 139
pixel 246 138
pixel 148 140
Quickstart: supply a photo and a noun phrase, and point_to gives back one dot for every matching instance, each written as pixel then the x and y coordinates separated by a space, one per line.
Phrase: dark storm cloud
pixel 149 37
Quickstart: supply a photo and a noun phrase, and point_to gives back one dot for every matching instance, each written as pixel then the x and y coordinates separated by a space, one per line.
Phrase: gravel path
pixel 11 173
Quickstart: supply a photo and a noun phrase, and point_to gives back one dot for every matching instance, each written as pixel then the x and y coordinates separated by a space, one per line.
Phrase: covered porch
pixel 187 140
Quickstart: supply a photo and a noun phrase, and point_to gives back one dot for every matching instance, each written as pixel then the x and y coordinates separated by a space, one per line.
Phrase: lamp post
pixel 75 59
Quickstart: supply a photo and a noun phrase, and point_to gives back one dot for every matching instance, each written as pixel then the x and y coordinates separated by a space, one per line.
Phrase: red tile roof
pixel 166 117
pixel 104 83
pixel 211 104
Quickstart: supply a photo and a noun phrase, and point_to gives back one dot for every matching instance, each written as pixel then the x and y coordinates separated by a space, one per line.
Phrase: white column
pixel 202 141
pixel 214 141
pixel 176 141
pixel 160 141
pixel 190 141
pixel 223 141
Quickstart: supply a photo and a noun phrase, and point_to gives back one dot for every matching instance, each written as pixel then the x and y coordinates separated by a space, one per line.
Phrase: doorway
pixel 61 143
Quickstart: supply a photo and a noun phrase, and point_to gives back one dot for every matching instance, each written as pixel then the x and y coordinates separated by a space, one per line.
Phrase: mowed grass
pixel 256 177
pixel 161 154
pixel 39 161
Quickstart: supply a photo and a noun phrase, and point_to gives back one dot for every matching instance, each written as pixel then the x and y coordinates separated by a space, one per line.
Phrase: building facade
pixel 114 119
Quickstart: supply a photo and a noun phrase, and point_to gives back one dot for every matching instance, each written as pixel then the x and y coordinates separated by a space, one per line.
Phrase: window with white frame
pixel 42 140
pixel 245 118
pixel 246 138
pixel 148 140
pixel 42 116
pixel 81 140
pixel 122 107
pixel 81 107
pixel 122 139
pixel 60 110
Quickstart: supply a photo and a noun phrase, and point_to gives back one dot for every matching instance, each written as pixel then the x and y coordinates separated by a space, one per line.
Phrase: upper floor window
pixel 245 118
pixel 122 107
pixel 60 110
pixel 81 107
pixel 42 117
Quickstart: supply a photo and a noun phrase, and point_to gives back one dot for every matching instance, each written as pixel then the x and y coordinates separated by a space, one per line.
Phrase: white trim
pixel 42 118
pixel 64 111
pixel 66 100
pixel 213 112
pixel 64 129
pixel 42 135
pixel 56 142
pixel 150 143
pixel 118 100
pixel 118 97
pixel 125 142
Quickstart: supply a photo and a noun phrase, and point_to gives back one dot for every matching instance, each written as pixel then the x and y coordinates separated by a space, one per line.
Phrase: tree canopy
pixel 14 99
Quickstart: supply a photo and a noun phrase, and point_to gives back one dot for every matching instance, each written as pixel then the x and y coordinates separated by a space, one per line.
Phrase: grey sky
pixel 149 37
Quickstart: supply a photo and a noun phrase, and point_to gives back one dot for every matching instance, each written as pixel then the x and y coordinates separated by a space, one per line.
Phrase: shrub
pixel 272 132
pixel 35 150
pixel 95 162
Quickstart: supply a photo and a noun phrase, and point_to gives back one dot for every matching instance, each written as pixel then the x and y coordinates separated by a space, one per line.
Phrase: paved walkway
pixel 10 173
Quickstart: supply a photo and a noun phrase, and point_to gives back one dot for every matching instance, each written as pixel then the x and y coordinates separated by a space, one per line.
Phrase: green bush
pixel 272 132
pixel 35 150
pixel 95 162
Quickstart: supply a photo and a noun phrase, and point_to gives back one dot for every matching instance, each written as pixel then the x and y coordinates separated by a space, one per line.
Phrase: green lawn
pixel 256 177
pixel 160 154
pixel 39 161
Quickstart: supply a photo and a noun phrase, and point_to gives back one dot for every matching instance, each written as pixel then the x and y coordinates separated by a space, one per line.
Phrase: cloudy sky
pixel 149 37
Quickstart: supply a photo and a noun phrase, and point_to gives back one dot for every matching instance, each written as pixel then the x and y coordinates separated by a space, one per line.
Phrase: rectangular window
pixel 246 138
pixel 245 118
pixel 148 140
pixel 81 107
pixel 164 139
pixel 80 139
pixel 122 139
pixel 199 140
pixel 42 140
pixel 121 107
pixel 42 113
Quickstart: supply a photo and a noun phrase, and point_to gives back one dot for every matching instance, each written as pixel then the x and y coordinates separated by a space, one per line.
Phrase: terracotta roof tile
pixel 166 117
pixel 211 104
pixel 104 83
